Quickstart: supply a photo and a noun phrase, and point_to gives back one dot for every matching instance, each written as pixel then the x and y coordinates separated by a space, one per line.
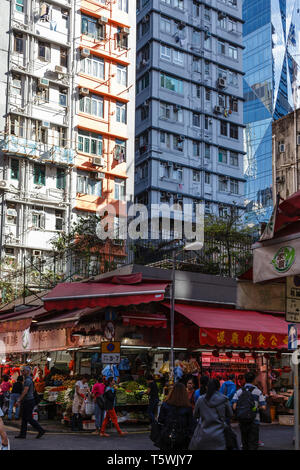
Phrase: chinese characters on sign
pixel 246 339
pixel 292 312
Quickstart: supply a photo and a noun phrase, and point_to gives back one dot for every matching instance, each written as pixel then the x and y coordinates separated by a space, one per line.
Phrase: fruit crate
pixel 286 420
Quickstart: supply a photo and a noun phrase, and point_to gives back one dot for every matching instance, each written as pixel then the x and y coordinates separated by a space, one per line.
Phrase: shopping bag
pixel 89 408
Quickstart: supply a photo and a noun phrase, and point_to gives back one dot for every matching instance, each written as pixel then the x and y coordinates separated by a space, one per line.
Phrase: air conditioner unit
pixel 222 15
pixel 176 108
pixel 85 52
pixel 298 139
pixel 281 148
pixel 100 176
pixel 45 125
pixel 222 82
pixel 218 109
pixel 37 253
pixel 280 179
pixel 103 19
pixel 43 82
pixel 98 161
pixel 169 164
pixel 84 91
pixel 181 25
pixel 125 30
pixel 60 69
pixel 181 138
pixel 168 195
pixel 3 184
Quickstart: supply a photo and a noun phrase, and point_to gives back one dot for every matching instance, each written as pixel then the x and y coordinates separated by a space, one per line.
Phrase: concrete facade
pixel 189 132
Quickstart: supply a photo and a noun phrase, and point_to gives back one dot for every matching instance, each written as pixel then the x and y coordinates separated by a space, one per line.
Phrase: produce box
pixel 286 420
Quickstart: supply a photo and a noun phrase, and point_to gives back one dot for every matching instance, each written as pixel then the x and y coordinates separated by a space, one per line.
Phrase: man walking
pixel 246 402
pixel 27 402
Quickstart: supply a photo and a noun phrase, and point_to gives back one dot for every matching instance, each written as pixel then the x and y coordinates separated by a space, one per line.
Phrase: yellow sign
pixel 111 347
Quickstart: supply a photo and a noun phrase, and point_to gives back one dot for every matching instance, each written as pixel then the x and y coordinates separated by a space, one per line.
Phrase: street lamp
pixel 195 246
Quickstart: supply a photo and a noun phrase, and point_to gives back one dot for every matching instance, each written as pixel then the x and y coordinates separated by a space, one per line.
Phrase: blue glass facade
pixel 271 57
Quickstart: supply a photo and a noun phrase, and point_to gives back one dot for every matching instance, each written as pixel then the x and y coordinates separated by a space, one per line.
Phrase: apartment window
pixel 196 149
pixel 206 178
pixel 120 191
pixel 233 104
pixel 63 57
pixel 198 91
pixel 223 183
pixel 39 133
pixel 196 9
pixel 178 57
pixel 45 12
pixel 223 128
pixel 234 186
pixel 177 113
pixel 14 169
pixel 207 151
pixel 38 218
pixel 232 26
pixel 16 87
pixel 39 175
pixel 59 220
pixel 177 172
pixel 179 4
pixel 59 136
pixel 196 65
pixel 196 37
pixel 63 93
pixel 91 27
pixel 165 52
pixel 171 83
pixel 91 105
pixel 87 184
pixel 20 5
pixel 207 68
pixel 207 13
pixel 233 78
pixel 93 66
pixel 234 159
pixel 122 74
pixel 207 94
pixel 233 52
pixel 222 156
pixel 164 170
pixel 178 141
pixel 207 42
pixel 206 122
pixel 122 39
pixel 17 126
pixel 196 176
pixel 18 43
pixel 165 25
pixel 120 150
pixel 60 178
pixel 143 83
pixel 234 131
pixel 121 112
pixel 44 51
pixel 42 93
pixel 196 119
pixel 222 73
pixel 165 110
pixel 165 138
pixel 90 143
pixel 223 211
pixel 145 109
pixel 221 48
pixel 123 5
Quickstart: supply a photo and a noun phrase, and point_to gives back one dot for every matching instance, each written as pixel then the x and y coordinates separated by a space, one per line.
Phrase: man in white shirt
pixel 3 435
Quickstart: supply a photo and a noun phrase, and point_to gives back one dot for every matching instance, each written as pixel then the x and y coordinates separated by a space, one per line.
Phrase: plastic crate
pixel 89 425
pixel 286 420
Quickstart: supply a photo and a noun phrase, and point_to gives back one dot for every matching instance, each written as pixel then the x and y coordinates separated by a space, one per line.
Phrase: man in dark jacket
pixel 152 392
pixel 28 403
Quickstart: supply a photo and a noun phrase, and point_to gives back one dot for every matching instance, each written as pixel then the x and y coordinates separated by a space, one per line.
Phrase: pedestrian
pixel 229 388
pixel 152 392
pixel 247 401
pixel 98 390
pixel 211 410
pixel 27 403
pixel 190 388
pixel 16 391
pixel 4 389
pixel 204 379
pixel 3 435
pixel 110 401
pixel 175 420
pixel 82 391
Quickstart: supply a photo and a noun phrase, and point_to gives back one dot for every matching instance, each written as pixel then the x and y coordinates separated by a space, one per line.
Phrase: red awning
pixel 140 319
pixel 236 328
pixel 75 295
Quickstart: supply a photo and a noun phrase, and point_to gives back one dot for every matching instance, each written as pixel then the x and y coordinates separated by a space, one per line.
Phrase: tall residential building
pixel 286 155
pixel 189 105
pixel 271 90
pixel 67 78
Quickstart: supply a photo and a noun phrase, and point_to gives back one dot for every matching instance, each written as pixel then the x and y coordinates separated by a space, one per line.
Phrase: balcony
pixel 37 150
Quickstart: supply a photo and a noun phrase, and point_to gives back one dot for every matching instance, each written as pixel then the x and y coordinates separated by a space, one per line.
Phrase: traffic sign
pixel 107 358
pixel 111 347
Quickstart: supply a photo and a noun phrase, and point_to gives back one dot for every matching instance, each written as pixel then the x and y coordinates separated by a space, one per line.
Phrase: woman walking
pixel 176 420
pixel 212 410
pixel 110 400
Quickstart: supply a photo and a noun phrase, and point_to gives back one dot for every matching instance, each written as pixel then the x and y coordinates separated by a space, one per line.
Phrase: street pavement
pixel 275 437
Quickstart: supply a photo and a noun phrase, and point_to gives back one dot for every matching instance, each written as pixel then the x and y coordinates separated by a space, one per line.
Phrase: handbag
pixel 101 402
pixel 230 436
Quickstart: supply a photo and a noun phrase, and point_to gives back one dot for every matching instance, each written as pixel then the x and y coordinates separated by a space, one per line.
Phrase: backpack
pixel 246 407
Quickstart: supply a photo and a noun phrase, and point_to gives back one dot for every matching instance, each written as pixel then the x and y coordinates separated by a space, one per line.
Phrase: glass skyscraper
pixel 271 90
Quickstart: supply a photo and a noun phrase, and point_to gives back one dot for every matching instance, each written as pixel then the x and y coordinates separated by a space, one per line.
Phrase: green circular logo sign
pixel 284 259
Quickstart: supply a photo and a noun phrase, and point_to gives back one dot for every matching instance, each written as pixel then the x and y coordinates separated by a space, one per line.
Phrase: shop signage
pixel 293 337
pixel 207 359
pixel 244 339
pixel 276 260
pixel 292 308
pixel 26 341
